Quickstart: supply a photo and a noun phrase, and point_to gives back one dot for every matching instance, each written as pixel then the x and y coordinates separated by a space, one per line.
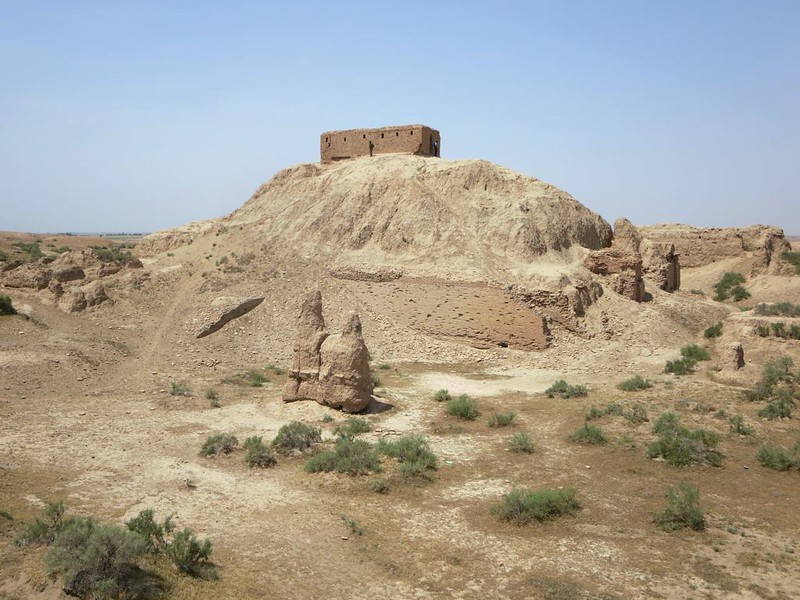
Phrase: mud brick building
pixel 416 139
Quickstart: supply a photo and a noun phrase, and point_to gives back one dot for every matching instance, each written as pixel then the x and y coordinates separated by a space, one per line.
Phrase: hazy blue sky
pixel 139 115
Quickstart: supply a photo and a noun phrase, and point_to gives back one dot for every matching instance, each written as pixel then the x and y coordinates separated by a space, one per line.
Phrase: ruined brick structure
pixel 416 139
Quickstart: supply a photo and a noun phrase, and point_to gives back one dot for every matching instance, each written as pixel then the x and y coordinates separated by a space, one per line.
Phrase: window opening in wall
pixel 345 139
pixel 397 133
pixel 411 132
pixel 326 139
pixel 365 136
pixel 381 135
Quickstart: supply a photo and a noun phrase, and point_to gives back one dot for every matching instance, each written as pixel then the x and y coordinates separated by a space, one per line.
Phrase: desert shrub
pixel 6 307
pixel 738 426
pixel 520 442
pixel 522 506
pixel 43 530
pixel 637 413
pixel 462 407
pixel 151 531
pixel 695 353
pixel 412 451
pixel 256 378
pixel 384 366
pixel 352 427
pixel 682 366
pixel 442 396
pixel 258 455
pixel 793 258
pixel 354 457
pixel 680 446
pixel 376 380
pixel 589 434
pixel 98 561
pixel 730 286
pixel 112 254
pixel 697 292
pixel 564 390
pixel 682 510
pixel 595 413
pixel 296 436
pixel 32 249
pixel 502 419
pixel 778 408
pixel 179 389
pixel 713 331
pixel 274 369
pixel 779 459
pixel 220 443
pixel 777 309
pixel 213 398
pixel 635 383
pixel 379 486
pixel 327 419
pixel 762 330
pixel 191 555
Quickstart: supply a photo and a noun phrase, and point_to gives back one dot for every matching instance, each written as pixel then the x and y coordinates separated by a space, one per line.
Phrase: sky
pixel 133 116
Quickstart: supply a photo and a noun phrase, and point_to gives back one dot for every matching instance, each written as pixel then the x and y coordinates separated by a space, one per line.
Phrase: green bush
pixel 412 451
pixel 682 366
pixel 462 407
pixel 256 378
pixel 191 555
pixel 442 396
pixel 564 390
pixel 777 309
pixel 379 486
pixel 635 383
pixel 682 510
pixel 354 457
pixel 220 443
pixel 779 459
pixel 258 455
pixel 296 436
pixel 213 398
pixel 738 426
pixel 520 442
pixel 502 419
pixel 43 530
pixel 384 366
pixel 6 307
pixel 713 331
pixel 98 561
pixel 112 255
pixel 179 389
pixel 763 330
pixel 680 446
pixel 793 258
pixel 730 286
pixel 32 249
pixel 522 506
pixel 695 353
pixel 376 380
pixel 776 378
pixel 636 414
pixel 589 434
pixel 274 369
pixel 352 427
pixel 778 408
pixel 153 533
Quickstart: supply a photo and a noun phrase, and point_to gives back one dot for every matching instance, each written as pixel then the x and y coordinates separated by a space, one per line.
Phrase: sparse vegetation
pixel 220 443
pixel 32 249
pixel 695 353
pixel 352 427
pixel 683 509
pixel 258 455
pixel 697 292
pixel 413 453
pixel 779 330
pixel 191 555
pixel 213 398
pixel 739 427
pixel 730 285
pixel 779 459
pixel 680 446
pixel 564 390
pixel 112 254
pixel 442 396
pixel 43 529
pixel 150 530
pixel 462 407
pixel 778 386
pixel 6 307
pixel 256 378
pixel 353 525
pixel 777 309
pixel 379 486
pixel 521 443
pixel 384 366
pixel 353 457
pixel 296 436
pixel 522 506
pixel 714 331
pixel 502 419
pixel 179 389
pixel 589 434
pixel 793 258
pixel 681 366
pixel 635 383
pixel 637 413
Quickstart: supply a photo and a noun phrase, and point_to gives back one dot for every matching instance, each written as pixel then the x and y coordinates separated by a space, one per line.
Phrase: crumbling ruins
pixel 331 369
pixel 415 139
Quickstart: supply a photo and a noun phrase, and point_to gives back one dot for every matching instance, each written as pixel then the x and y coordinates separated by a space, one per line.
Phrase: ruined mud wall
pixel 416 139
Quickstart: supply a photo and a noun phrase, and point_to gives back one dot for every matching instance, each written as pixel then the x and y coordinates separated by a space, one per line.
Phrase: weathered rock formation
pixel 330 369
pixel 659 260
pixel 228 314
pixel 623 268
pixel 700 246
pixel 80 298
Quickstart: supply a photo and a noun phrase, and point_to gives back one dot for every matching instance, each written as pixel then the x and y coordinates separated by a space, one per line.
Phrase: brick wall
pixel 416 139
